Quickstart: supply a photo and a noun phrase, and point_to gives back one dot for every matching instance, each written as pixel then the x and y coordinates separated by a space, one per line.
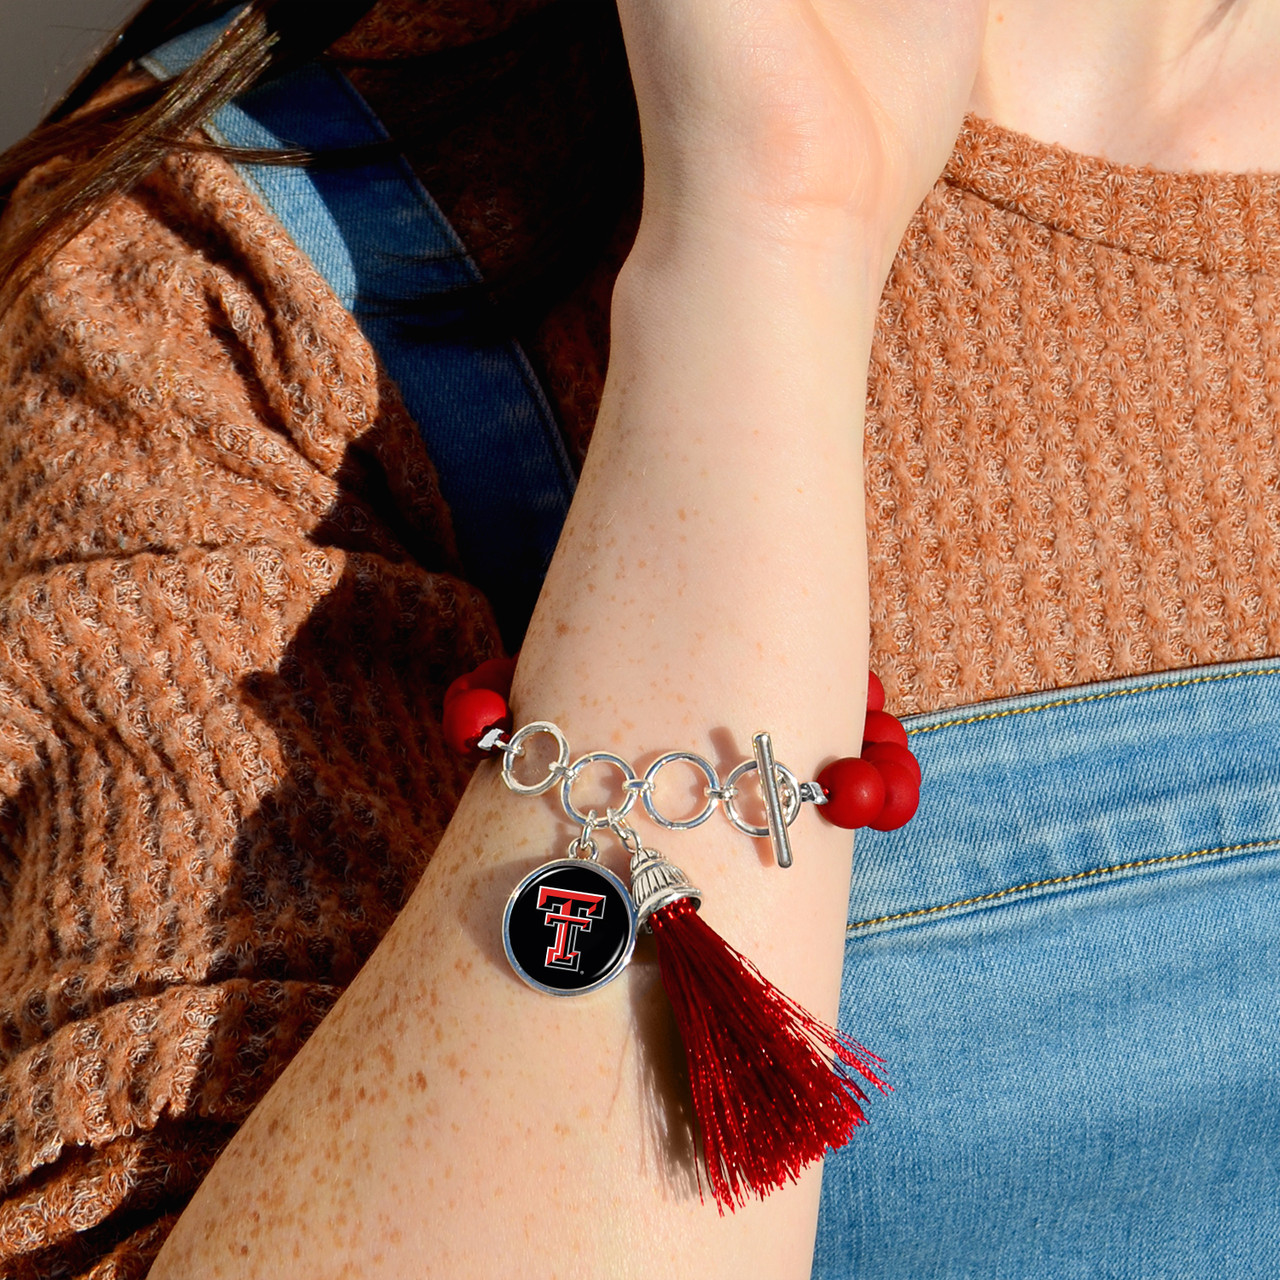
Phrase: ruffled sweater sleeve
pixel 228 609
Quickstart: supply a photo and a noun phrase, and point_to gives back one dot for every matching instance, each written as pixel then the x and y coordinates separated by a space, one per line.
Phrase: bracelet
pixel 783 792
pixel 879 789
pixel 773 1088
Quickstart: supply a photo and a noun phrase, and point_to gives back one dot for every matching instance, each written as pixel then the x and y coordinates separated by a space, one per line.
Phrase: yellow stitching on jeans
pixel 1079 875
pixel 1098 697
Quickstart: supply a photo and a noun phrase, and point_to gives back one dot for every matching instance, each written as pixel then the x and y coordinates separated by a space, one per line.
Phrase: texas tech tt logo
pixel 569 927
pixel 568 911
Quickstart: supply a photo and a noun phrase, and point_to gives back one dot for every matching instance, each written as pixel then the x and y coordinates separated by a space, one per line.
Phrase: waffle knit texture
pixel 227 619
pixel 229 604
pixel 1072 445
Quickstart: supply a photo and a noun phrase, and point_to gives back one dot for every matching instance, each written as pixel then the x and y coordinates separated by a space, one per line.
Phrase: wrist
pixel 752 302
pixel 695 232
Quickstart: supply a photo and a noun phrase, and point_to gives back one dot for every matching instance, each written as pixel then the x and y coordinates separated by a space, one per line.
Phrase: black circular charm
pixel 569 927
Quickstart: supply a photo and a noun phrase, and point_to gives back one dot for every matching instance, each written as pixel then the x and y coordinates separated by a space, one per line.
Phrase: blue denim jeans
pixel 1069 960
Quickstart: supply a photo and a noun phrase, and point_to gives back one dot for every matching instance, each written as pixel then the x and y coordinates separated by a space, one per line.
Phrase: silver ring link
pixel 714 790
pixel 514 748
pixel 597 757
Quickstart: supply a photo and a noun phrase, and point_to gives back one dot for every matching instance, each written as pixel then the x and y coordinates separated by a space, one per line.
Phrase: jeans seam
pixel 1074 877
pixel 1095 697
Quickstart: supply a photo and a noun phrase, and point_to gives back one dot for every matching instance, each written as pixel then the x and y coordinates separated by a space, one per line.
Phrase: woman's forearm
pixel 710 583
pixel 447 1120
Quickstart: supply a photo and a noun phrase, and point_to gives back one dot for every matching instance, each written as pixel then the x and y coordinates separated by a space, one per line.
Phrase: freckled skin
pixel 502 1133
pixel 364 1127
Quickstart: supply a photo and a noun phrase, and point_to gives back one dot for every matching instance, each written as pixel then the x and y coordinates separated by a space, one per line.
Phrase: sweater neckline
pixel 1212 221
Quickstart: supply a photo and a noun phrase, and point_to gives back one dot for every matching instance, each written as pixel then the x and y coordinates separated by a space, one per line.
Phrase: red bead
pixel 470 715
pixel 494 674
pixel 854 791
pixel 901 796
pixel 880 752
pixel 875 692
pixel 882 727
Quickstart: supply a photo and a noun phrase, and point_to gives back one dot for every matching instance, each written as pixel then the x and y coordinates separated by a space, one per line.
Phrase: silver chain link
pixel 784 794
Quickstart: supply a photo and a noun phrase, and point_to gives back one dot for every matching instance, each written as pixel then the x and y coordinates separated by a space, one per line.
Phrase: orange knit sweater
pixel 228 608
pixel 1072 445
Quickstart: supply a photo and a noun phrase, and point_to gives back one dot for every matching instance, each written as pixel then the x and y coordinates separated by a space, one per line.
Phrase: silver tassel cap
pixel 657 883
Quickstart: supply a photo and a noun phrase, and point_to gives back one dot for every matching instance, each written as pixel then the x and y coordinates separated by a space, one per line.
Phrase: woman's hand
pixel 778 109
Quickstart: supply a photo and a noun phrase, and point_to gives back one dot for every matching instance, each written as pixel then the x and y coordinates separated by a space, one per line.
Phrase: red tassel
pixel 773 1088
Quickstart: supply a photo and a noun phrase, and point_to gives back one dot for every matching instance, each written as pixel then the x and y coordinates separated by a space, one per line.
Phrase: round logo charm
pixel 569 927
